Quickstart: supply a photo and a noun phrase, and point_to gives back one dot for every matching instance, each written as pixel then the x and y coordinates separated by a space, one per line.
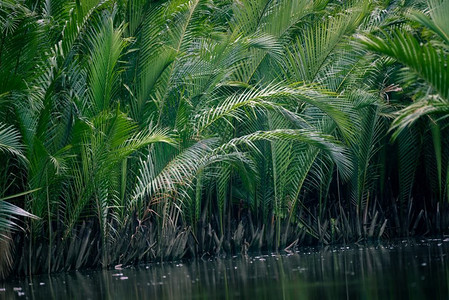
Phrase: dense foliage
pixel 142 130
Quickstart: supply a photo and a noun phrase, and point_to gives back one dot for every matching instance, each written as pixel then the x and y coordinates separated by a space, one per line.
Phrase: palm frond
pixel 324 142
pixel 313 50
pixel 437 20
pixel 428 62
pixel 9 214
pixel 432 106
pixel 10 141
pixel 107 45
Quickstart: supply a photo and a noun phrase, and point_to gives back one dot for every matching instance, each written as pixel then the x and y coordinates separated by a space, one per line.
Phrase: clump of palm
pixel 421 45
pixel 150 129
pixel 80 113
pixel 81 110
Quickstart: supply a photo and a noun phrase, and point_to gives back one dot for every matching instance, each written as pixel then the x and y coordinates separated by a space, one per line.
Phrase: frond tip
pixel 9 213
pixel 10 141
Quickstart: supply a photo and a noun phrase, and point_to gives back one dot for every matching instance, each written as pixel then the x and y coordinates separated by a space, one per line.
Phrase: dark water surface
pixel 399 270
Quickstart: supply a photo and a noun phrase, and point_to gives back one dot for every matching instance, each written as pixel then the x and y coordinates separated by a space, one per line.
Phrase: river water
pixel 403 269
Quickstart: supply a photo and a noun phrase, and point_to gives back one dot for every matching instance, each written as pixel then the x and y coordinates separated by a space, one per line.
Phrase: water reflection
pixel 406 269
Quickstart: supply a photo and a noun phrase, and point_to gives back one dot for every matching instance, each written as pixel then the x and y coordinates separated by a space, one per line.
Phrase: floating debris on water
pixel 16 289
pixel 123 278
pixel 117 275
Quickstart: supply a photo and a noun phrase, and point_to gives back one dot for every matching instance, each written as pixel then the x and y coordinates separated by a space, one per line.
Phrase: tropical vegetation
pixel 147 130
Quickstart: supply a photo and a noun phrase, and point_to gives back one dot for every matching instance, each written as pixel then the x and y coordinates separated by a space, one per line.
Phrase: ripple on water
pixel 391 269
